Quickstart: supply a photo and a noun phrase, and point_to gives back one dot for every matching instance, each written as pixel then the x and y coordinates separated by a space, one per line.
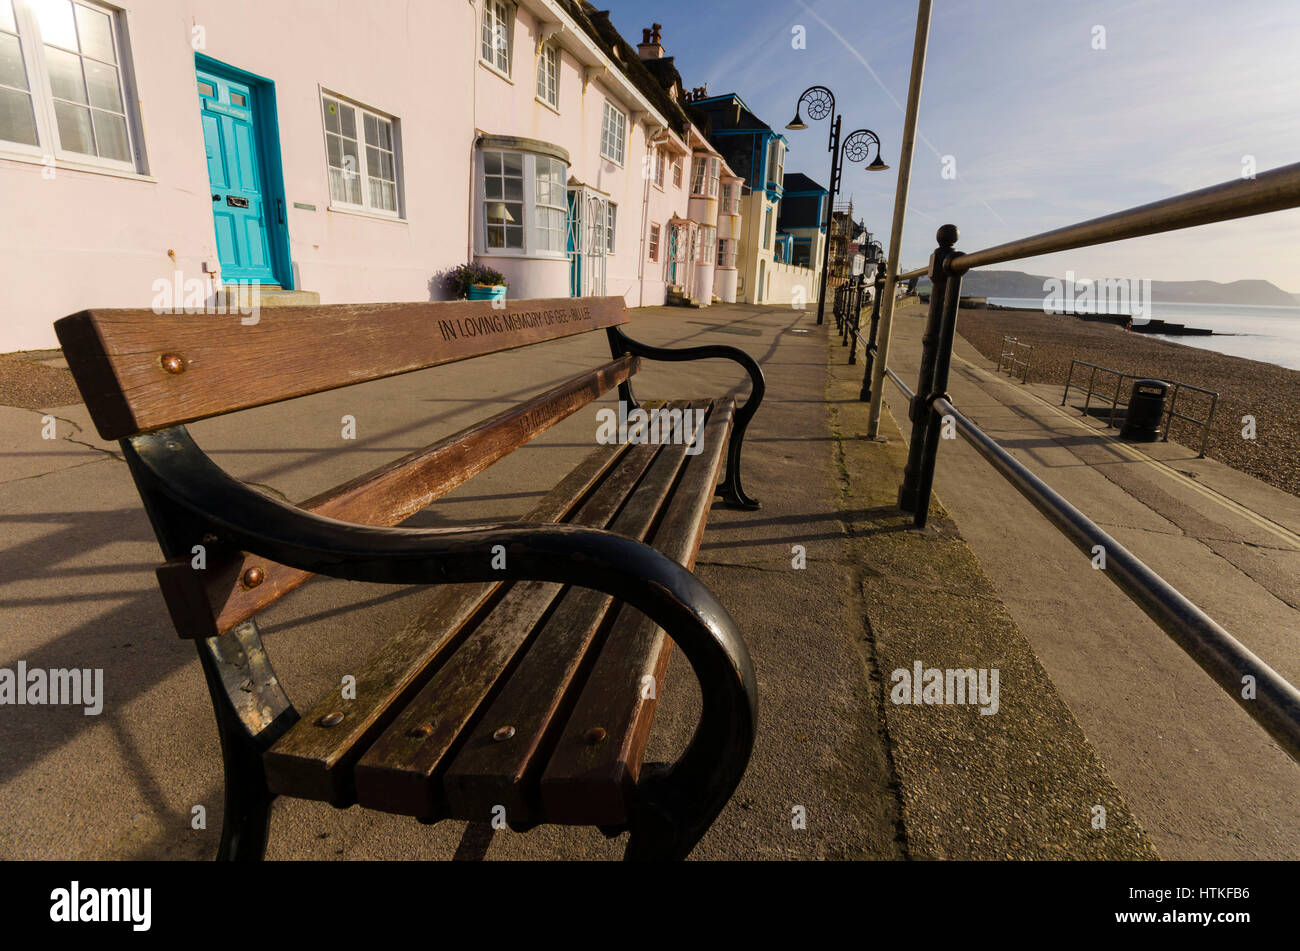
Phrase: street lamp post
pixel 820 103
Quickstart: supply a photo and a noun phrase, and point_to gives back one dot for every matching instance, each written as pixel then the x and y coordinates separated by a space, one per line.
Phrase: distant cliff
pixel 1020 284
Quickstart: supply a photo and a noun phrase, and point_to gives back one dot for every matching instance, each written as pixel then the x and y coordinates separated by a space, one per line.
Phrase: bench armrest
pixel 245 519
pixel 620 344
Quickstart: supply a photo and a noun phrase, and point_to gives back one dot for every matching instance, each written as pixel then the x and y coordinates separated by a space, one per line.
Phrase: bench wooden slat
pixel 215 600
pixel 590 783
pixel 395 773
pixel 121 358
pixel 488 772
pixel 312 761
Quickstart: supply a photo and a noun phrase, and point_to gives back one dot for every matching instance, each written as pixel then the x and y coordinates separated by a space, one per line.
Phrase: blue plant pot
pixel 487 292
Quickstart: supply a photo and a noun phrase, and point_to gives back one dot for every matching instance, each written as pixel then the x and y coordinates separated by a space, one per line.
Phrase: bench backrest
pixel 139 371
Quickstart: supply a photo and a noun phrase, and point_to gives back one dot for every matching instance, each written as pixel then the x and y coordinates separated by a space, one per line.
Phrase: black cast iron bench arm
pixel 684 800
pixel 620 344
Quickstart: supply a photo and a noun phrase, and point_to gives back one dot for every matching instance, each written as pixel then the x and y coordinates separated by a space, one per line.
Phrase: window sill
pixel 491 68
pixel 515 254
pixel 65 165
pixel 611 161
pixel 555 109
pixel 363 213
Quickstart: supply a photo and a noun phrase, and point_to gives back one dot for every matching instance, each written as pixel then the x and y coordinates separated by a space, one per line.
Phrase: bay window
pixel 708 239
pixel 727 252
pixel 524 201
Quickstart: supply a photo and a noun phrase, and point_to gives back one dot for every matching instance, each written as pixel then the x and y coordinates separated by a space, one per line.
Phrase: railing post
pixel 856 297
pixel 1169 415
pixel 844 317
pixel 939 388
pixel 919 409
pixel 1205 431
pixel 864 395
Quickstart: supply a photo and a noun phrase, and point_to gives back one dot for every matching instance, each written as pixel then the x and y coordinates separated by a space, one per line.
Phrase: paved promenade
pixel 875 779
pixel 1204 780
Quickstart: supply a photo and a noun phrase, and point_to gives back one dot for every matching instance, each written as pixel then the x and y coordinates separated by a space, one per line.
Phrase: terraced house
pixel 161 152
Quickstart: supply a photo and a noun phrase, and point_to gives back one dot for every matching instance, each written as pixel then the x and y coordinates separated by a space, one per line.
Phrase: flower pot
pixel 487 292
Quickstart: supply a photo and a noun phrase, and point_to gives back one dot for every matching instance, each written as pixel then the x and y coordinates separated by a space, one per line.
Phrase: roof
pixel 799 182
pixel 733 112
pixel 653 81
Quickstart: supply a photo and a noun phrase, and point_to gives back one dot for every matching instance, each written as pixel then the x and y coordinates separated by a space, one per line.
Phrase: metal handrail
pixel 1170 414
pixel 1012 357
pixel 1271 701
pixel 1274 703
pixel 1273 190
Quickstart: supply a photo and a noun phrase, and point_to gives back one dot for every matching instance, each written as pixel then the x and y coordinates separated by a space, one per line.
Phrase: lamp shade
pixel 497 211
pixel 797 122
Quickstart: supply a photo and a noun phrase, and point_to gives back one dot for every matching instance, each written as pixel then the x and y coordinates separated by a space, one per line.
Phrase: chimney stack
pixel 650 46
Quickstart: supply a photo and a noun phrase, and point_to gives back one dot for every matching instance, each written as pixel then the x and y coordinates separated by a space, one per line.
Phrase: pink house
pixel 162 153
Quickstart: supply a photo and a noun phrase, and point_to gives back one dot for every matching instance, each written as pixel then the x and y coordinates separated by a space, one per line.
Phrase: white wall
pixel 86 239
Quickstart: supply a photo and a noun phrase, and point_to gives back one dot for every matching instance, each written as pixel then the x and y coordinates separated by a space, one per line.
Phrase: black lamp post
pixel 820 102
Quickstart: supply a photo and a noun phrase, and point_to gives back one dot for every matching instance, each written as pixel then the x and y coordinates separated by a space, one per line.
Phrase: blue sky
pixel 1044 130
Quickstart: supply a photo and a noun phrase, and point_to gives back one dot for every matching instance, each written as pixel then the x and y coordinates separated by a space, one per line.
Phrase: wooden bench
pixel 529 679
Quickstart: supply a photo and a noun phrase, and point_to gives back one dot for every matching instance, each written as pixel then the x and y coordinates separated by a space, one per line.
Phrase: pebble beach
pixel 1269 393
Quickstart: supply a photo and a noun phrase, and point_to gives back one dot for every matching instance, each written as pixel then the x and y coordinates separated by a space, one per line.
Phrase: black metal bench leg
pixel 252 711
pixel 731 490
pixel 675 805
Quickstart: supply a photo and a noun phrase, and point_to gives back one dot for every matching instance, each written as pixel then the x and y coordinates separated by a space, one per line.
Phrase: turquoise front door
pixel 236 177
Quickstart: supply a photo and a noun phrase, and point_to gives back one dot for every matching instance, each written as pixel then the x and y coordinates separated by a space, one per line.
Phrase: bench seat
pixel 531 696
pixel 523 691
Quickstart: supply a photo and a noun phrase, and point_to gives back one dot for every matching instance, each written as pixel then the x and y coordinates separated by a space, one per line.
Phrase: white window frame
pixel 49 147
pixel 715 176
pixel 727 252
pixel 537 206
pixel 708 244
pixel 661 159
pixel 699 169
pixel 767 227
pixel 611 225
pixel 608 135
pixel 363 143
pixel 530 206
pixel 677 173
pixel 656 233
pixel 498 22
pixel 776 162
pixel 548 84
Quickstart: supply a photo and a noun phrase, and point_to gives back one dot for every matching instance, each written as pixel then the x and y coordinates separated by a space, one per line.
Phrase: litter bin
pixel 1146 406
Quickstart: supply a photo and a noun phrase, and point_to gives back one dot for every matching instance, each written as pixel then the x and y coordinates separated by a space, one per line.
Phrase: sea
pixel 1268 334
